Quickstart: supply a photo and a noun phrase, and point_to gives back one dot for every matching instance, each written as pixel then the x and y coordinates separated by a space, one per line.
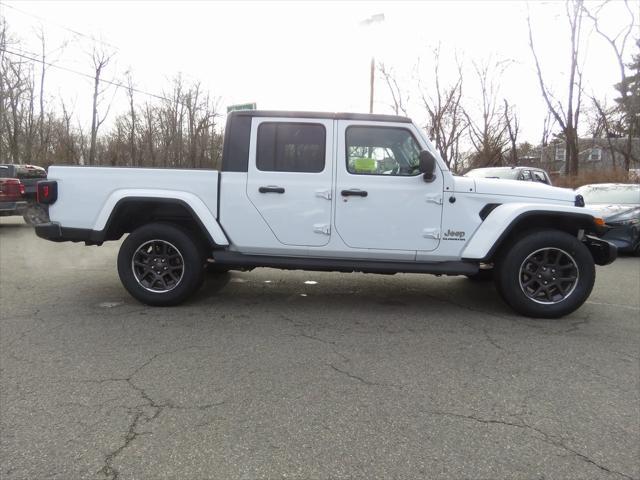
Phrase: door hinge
pixel 431 233
pixel 324 194
pixel 434 198
pixel 322 228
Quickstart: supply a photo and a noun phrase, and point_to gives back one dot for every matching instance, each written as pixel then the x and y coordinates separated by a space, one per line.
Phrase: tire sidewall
pixel 188 248
pixel 507 275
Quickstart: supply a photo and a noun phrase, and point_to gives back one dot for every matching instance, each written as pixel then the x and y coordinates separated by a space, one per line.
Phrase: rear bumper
pixel 603 252
pixel 12 208
pixel 56 233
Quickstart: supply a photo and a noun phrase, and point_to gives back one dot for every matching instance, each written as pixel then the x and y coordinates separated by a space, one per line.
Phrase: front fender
pixel 506 219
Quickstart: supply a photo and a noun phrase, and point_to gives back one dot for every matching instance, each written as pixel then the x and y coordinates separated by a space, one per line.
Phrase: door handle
pixel 356 193
pixel 271 189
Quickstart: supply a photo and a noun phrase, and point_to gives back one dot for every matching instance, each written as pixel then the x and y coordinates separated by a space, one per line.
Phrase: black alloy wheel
pixel 161 264
pixel 545 273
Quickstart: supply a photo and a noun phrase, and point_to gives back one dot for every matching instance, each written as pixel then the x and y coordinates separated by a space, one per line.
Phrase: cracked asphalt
pixel 265 376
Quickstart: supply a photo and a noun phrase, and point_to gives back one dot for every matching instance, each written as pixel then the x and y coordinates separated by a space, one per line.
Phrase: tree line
pixel 181 128
pixel 492 128
pixel 178 129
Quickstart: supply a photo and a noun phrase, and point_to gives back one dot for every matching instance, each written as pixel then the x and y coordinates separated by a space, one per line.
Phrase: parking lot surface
pixel 271 374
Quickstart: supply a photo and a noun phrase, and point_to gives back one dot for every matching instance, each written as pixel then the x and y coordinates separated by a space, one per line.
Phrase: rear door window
pixel 291 147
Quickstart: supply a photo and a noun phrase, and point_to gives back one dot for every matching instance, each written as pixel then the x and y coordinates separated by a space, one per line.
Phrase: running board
pixel 239 260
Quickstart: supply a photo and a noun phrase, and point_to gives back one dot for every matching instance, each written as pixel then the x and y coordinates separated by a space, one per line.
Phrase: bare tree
pixel 618 43
pixel 29 127
pixel 66 136
pixel 43 70
pixel 100 59
pixel 82 142
pixel 567 117
pixel 178 131
pixel 132 120
pixel 395 90
pixel 488 133
pixel 547 127
pixel 608 123
pixel 16 101
pixel 446 121
pixel 149 134
pixel 513 128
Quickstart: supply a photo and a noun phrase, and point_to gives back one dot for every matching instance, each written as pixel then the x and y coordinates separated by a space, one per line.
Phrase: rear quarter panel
pixel 87 195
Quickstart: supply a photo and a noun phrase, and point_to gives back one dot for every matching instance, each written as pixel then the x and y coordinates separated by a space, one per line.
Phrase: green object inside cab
pixel 365 165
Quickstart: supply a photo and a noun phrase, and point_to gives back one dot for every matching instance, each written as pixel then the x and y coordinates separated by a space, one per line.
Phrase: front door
pixel 290 177
pixel 382 200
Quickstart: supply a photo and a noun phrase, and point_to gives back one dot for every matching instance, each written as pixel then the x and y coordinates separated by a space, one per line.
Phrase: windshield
pixel 493 173
pixel 626 194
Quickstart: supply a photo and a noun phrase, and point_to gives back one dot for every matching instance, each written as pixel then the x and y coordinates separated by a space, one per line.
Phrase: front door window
pixel 382 151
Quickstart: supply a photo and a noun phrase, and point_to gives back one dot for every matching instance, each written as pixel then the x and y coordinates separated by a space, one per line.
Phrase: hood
pixel 611 212
pixel 519 188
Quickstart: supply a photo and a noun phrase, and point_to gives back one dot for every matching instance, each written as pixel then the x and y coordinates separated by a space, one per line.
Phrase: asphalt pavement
pixel 270 374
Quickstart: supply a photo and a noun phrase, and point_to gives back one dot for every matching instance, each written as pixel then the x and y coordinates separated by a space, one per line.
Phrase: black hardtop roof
pixel 326 115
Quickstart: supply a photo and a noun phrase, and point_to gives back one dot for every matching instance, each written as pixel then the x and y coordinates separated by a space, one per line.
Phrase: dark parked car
pixel 619 205
pixel 527 174
pixel 29 175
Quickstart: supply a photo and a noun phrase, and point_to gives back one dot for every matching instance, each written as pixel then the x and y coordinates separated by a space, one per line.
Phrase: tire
pixel 541 256
pixel 161 265
pixel 483 275
pixel 35 214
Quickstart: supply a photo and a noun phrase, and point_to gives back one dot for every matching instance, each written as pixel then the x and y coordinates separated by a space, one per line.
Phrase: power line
pixel 90 37
pixel 75 32
pixel 92 77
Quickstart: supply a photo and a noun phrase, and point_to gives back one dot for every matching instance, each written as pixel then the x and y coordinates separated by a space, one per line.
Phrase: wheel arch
pixel 489 239
pixel 131 212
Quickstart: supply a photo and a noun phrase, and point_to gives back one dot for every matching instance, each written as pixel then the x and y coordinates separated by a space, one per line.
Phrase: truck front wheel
pixel 160 265
pixel 545 274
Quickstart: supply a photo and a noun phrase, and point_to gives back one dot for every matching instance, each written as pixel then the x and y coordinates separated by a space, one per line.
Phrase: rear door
pixel 290 178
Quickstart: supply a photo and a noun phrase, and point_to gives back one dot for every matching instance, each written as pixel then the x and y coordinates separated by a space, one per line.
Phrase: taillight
pixel 12 187
pixel 47 192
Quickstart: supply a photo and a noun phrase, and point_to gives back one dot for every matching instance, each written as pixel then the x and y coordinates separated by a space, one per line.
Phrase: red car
pixel 12 200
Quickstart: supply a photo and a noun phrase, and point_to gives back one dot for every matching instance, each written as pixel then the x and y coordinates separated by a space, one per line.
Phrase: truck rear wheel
pixel 545 274
pixel 160 265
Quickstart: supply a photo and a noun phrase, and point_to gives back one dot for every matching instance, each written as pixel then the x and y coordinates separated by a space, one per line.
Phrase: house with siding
pixel 594 154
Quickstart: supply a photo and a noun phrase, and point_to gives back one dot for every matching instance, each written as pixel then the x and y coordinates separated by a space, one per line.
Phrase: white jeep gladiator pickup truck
pixel 331 192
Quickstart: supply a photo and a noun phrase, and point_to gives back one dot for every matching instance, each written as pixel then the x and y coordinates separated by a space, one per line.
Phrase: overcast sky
pixel 308 55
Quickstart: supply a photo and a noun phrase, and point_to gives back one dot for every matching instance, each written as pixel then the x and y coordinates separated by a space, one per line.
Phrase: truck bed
pixel 87 195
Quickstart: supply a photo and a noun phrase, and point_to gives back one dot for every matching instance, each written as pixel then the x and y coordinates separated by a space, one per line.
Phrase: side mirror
pixel 427 166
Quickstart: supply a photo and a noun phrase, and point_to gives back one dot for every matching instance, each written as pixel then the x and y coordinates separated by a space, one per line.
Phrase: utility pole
pixel 373 76
pixel 377 18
